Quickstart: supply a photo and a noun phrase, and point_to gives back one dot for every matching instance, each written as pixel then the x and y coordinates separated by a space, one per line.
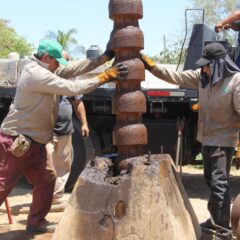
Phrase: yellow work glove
pixel 148 63
pixel 119 71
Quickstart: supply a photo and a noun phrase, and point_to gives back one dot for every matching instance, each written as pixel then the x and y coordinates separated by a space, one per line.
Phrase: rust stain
pixel 120 209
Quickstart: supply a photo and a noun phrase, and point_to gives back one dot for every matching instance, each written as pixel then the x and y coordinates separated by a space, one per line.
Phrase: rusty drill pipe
pixel 129 134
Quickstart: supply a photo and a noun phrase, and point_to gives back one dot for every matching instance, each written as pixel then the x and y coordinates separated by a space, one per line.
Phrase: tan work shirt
pixel 34 110
pixel 219 106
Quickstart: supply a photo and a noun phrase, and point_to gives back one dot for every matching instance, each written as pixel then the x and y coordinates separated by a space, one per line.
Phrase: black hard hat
pixel 211 52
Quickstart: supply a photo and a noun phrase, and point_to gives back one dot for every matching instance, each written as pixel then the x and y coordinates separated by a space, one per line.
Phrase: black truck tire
pixel 83 151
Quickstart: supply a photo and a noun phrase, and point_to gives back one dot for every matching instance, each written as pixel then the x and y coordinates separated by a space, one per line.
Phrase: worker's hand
pixel 148 63
pixel 218 27
pixel 117 72
pixel 85 130
pixel 109 53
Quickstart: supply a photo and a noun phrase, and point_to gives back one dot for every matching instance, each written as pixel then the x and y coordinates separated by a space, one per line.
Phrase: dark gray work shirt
pixel 64 125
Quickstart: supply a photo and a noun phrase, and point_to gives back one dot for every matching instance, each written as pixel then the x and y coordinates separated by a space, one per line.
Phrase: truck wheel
pixel 82 153
pixel 96 142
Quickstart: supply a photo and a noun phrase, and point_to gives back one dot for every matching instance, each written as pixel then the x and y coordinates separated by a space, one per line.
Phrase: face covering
pixel 220 69
pixel 204 79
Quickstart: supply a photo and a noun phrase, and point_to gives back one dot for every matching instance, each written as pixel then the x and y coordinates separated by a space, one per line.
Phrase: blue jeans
pixel 217 163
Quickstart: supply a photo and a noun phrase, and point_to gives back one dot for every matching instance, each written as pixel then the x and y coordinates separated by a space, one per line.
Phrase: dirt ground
pixel 20 198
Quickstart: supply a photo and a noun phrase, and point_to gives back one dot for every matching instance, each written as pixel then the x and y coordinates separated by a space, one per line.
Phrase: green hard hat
pixel 53 49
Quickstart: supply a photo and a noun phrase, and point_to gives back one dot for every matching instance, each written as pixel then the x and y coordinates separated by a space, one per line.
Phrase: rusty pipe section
pixel 129 133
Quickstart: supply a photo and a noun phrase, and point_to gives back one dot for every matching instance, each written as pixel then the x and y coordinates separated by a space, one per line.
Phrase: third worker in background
pixel 59 149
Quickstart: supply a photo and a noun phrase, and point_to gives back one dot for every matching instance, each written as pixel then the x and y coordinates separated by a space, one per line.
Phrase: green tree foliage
pixel 11 42
pixel 214 11
pixel 66 39
pixel 68 42
pixel 167 56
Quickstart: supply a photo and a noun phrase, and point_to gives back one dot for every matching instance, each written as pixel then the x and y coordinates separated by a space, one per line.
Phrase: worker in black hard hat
pixel 218 83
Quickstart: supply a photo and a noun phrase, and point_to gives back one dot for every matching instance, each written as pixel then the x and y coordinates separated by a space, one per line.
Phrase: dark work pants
pixel 217 163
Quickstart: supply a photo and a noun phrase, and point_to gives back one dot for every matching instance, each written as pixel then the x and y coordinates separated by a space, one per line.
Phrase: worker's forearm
pixel 231 19
pixel 77 87
pixel 80 67
pixel 79 108
pixel 50 83
pixel 81 112
pixel 187 79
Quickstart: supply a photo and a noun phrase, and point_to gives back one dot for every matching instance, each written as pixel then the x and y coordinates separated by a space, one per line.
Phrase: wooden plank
pixel 146 204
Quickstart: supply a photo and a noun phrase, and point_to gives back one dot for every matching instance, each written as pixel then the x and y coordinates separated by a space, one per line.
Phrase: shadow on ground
pixel 23 235
pixel 196 187
pixel 17 235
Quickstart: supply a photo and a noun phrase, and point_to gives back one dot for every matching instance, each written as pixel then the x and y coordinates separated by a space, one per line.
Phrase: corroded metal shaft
pixel 129 134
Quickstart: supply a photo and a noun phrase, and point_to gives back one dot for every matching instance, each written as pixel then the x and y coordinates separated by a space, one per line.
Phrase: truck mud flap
pixel 83 152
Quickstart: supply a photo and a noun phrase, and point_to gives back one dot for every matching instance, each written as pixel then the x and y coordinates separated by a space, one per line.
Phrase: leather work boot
pixel 224 234
pixel 208 227
pixel 223 238
pixel 44 228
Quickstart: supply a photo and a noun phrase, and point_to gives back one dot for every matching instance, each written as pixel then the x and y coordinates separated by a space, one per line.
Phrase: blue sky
pixel 33 18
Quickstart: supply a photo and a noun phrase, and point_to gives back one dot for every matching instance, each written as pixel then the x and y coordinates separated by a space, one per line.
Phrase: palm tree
pixel 68 42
